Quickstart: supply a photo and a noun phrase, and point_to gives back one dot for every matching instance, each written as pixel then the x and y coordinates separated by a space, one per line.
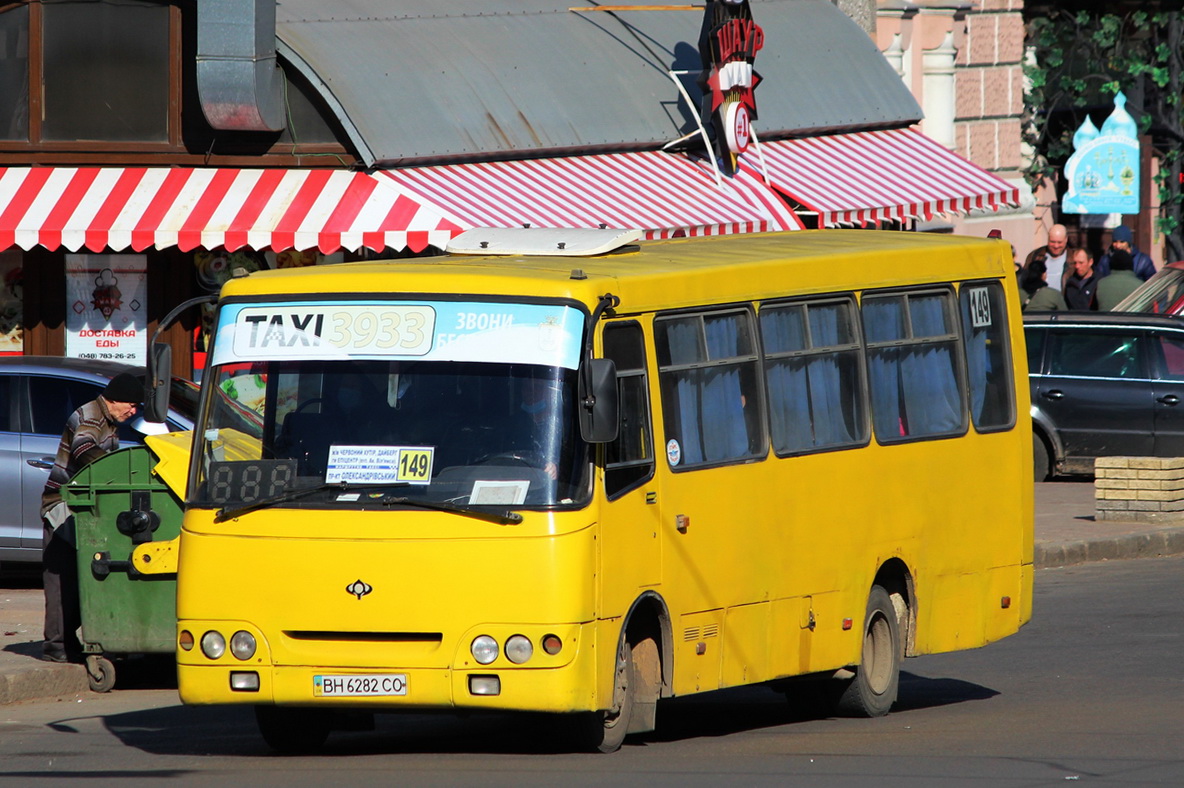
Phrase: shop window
pixel 12 303
pixel 814 375
pixel 109 75
pixel 988 357
pixel 629 460
pixel 106 70
pixel 913 365
pixel 710 388
pixel 14 74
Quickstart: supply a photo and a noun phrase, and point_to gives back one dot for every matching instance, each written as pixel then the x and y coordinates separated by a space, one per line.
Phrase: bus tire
pixel 604 731
pixel 872 691
pixel 1040 464
pixel 292 731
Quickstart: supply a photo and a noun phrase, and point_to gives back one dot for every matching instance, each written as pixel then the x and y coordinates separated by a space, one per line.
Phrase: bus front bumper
pixel 542 684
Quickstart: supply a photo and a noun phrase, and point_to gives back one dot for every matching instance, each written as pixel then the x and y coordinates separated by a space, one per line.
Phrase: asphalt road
pixel 1089 693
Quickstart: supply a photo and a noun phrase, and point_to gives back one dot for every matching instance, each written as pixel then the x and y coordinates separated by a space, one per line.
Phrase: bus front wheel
pixel 605 731
pixel 872 691
pixel 292 731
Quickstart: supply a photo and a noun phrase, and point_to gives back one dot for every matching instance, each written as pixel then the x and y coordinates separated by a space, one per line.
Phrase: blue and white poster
pixel 1103 172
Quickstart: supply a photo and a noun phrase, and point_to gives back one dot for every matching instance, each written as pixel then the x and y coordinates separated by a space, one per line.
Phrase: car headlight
pixel 519 649
pixel 213 645
pixel 484 649
pixel 242 645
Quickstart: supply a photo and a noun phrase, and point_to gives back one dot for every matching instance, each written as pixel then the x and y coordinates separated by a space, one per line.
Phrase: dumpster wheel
pixel 100 673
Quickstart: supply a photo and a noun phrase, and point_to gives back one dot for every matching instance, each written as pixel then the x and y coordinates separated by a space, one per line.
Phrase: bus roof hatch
pixel 540 241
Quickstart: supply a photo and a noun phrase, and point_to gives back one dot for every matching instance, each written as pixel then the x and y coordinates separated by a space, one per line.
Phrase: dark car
pixel 1104 384
pixel 37 395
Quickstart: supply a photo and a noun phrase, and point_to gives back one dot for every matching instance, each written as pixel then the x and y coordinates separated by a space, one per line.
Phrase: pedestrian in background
pixel 1081 284
pixel 1123 239
pixel 1121 282
pixel 90 433
pixel 1054 256
pixel 1035 294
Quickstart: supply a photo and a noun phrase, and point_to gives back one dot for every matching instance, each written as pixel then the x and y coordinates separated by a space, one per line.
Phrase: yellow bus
pixel 561 471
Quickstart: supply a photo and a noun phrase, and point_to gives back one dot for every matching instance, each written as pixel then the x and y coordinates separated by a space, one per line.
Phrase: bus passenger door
pixel 630 547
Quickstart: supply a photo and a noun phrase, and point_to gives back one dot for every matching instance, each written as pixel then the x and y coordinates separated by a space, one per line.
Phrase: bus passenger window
pixel 814 375
pixel 913 368
pixel 988 356
pixel 710 388
pixel 629 460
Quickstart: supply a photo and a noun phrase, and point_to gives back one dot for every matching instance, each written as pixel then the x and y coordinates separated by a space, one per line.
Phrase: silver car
pixel 37 395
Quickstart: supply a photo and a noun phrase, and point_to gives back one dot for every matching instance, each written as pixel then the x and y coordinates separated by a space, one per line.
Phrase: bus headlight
pixel 519 649
pixel 213 645
pixel 242 645
pixel 484 649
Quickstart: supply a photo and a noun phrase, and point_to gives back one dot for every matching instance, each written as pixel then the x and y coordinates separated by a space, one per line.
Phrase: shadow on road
pixel 231 731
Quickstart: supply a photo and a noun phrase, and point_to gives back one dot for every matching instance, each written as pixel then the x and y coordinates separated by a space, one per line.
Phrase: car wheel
pixel 1040 464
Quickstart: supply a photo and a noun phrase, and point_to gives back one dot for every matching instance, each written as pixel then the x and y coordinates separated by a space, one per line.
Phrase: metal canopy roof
pixel 417 81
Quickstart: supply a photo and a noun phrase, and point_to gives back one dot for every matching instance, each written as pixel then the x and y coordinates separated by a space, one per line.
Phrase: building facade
pixel 150 148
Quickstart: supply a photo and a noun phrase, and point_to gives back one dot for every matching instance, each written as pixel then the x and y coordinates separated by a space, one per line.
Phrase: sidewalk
pixel 1066 534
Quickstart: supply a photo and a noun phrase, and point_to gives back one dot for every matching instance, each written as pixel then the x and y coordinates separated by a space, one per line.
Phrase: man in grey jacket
pixel 91 432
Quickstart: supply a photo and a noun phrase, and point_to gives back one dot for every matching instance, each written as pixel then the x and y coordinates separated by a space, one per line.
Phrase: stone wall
pixel 1146 489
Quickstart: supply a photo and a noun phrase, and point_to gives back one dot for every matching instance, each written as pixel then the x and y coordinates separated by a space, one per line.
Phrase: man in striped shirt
pixel 91 432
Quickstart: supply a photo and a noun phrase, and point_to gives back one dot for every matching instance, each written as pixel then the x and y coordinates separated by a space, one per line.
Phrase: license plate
pixel 359 686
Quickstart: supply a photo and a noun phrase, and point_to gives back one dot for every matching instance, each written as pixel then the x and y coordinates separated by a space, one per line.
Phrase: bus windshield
pixel 443 427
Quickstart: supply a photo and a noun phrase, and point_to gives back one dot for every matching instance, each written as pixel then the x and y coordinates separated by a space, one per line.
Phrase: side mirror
pixel 599 420
pixel 157 382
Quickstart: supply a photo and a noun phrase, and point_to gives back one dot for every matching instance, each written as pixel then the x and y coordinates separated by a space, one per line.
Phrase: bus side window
pixel 629 460
pixel 988 356
pixel 814 375
pixel 913 366
pixel 711 393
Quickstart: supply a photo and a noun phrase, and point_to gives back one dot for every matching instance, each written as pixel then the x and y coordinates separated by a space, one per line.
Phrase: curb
pixel 1151 544
pixel 41 680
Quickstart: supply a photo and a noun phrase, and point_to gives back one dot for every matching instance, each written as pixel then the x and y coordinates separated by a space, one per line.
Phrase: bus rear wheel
pixel 872 691
pixel 292 731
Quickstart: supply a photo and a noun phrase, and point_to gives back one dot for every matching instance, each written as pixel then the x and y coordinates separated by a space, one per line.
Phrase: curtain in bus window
pixel 932 399
pixel 782 331
pixel 789 405
pixel 683 341
pixel 826 383
pixel 914 386
pixel 724 431
pixel 883 322
pixel 978 369
pixel 884 380
pixel 806 393
pixel 932 402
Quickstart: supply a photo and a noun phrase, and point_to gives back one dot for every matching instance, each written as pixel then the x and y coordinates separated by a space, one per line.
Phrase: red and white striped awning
pixel 873 176
pixel 667 195
pixel 140 207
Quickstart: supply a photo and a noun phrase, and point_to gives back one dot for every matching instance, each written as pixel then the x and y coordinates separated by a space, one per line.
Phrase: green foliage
pixel 1083 57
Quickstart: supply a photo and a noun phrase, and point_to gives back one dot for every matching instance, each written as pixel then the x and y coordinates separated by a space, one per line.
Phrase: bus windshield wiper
pixel 290 495
pixel 501 518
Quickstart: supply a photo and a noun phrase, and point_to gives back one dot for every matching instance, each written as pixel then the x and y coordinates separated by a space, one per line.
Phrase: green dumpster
pixel 127 522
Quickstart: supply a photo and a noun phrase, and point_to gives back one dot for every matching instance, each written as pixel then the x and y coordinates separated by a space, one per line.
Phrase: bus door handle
pixel 1054 394
pixel 1169 399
